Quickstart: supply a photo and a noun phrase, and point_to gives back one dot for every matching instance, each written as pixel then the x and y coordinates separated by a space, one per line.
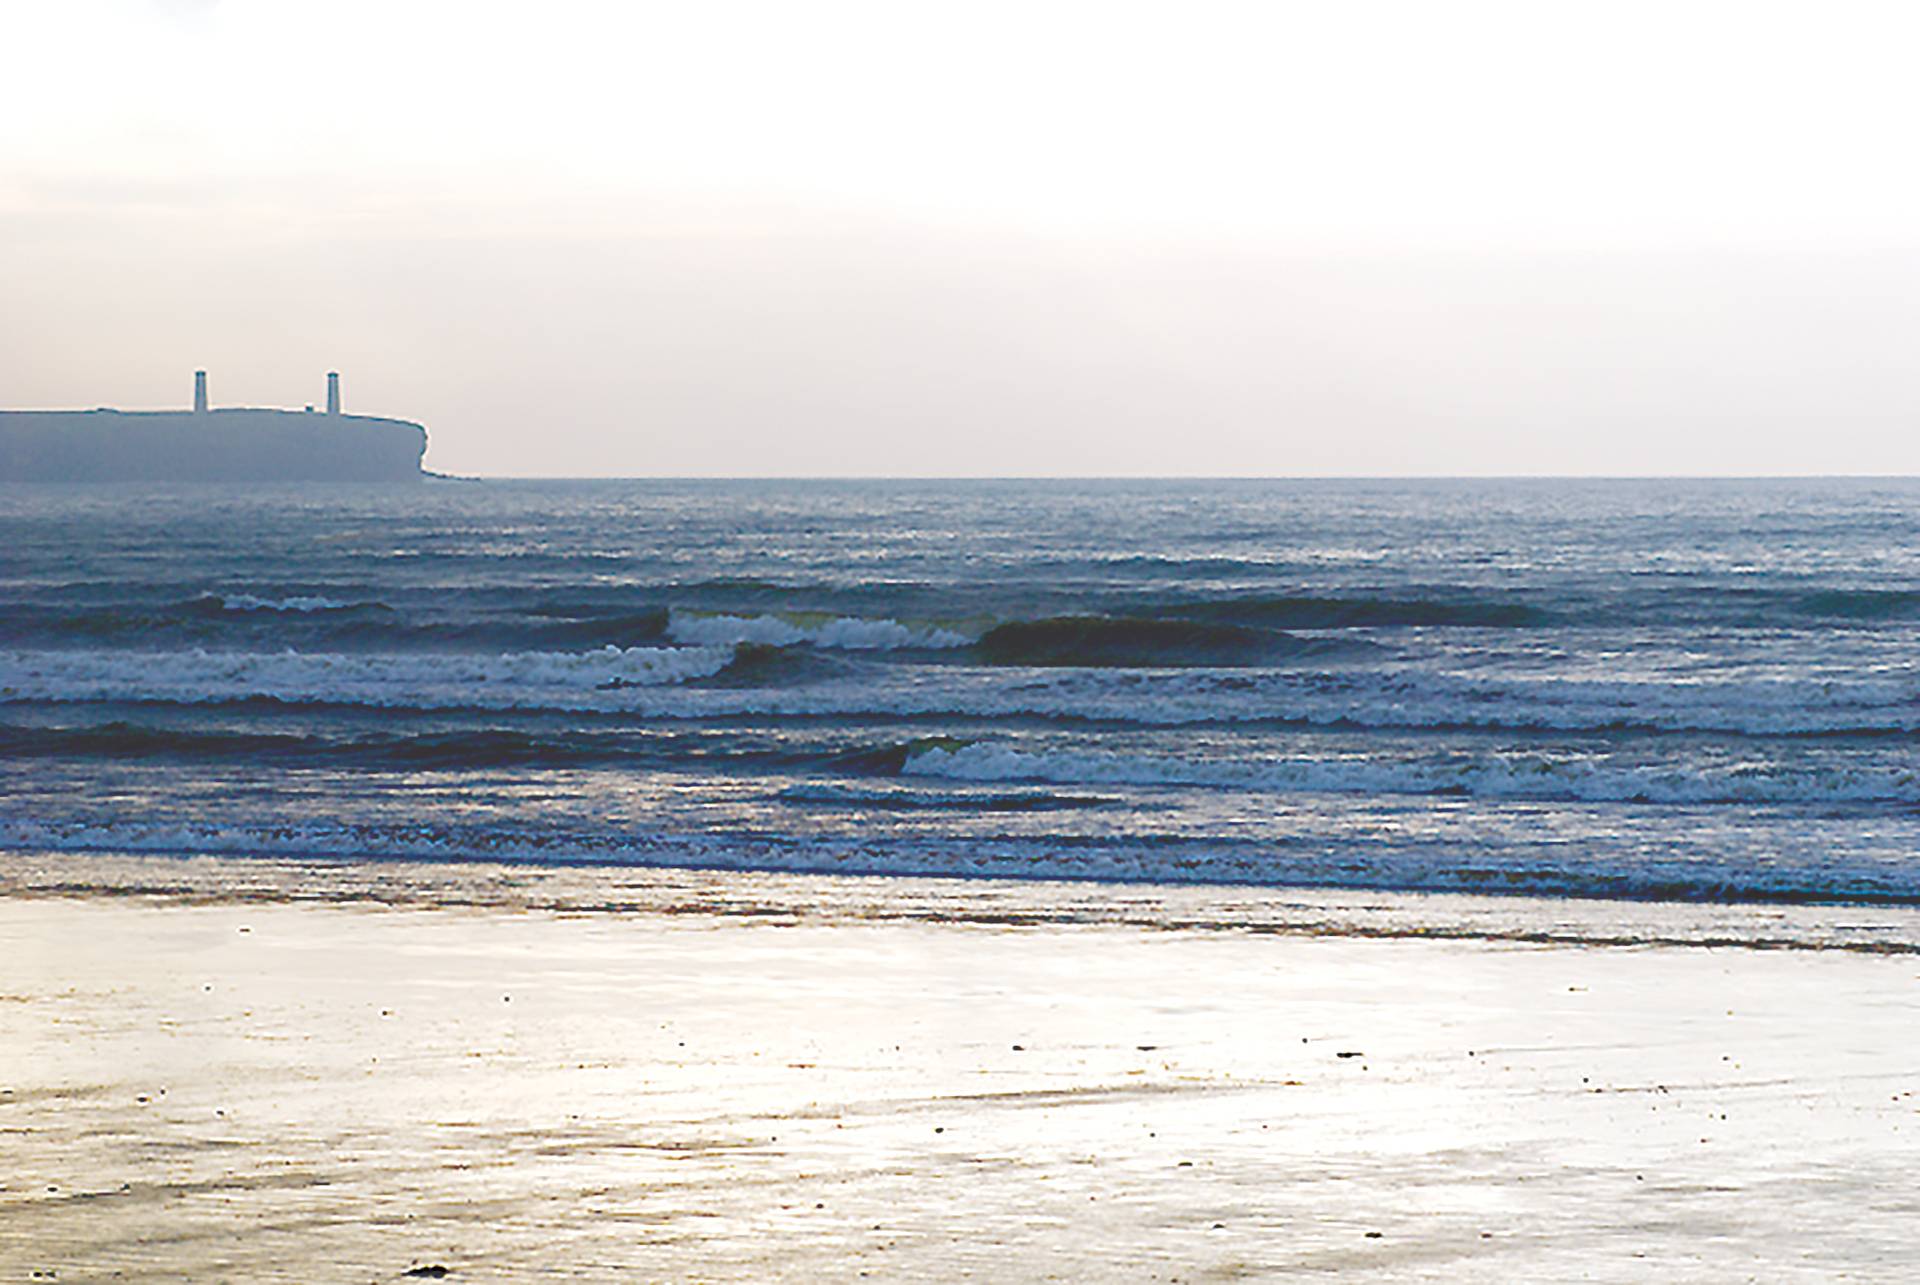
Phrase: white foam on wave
pixel 643 681
pixel 1532 776
pixel 345 840
pixel 302 604
pixel 528 679
pixel 907 797
pixel 848 633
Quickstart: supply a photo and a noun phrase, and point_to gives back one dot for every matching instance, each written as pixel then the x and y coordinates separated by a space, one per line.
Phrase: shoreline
pixel 796 897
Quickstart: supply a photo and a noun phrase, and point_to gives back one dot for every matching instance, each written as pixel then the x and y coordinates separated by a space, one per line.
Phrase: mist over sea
pixel 1700 691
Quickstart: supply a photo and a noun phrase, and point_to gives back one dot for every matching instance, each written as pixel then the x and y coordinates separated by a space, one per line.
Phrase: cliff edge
pixel 237 445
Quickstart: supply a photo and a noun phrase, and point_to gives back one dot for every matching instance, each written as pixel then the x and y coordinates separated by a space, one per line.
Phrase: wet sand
pixel 317 1086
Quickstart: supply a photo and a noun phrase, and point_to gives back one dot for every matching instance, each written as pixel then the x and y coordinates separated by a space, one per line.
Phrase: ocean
pixel 1694 691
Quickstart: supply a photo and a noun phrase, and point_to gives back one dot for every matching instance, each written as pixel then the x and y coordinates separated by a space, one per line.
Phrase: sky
pixel 586 238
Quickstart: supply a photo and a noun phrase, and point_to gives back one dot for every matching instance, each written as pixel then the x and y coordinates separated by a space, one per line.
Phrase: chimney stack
pixel 199 392
pixel 333 392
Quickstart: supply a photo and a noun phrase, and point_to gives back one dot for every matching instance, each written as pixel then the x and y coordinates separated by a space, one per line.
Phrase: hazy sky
pixel 978 238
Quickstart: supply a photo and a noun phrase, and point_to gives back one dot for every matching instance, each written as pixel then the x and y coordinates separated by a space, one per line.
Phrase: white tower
pixel 333 392
pixel 199 392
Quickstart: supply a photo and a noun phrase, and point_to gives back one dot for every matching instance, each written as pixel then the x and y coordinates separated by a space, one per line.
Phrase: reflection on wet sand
pixel 307 1086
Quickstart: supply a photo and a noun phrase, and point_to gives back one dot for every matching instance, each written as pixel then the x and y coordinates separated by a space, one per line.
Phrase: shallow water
pixel 1700 691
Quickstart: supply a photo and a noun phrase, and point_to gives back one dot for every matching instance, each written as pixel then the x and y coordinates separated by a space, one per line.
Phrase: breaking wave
pixel 1111 631
pixel 791 629
pixel 299 603
pixel 755 680
pixel 897 799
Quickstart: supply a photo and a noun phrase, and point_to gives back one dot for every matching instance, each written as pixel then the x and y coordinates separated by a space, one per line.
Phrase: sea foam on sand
pixel 724 1077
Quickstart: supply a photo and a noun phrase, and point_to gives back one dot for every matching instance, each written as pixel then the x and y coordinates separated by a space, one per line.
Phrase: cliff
pixel 213 446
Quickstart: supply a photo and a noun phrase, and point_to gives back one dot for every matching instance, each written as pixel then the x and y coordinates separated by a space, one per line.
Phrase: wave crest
pixel 847 633
pixel 905 799
pixel 300 604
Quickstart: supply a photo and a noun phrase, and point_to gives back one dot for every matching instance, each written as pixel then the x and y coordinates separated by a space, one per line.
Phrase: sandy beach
pixel 218 1076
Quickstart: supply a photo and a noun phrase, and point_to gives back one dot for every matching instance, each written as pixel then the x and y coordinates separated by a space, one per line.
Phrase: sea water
pixel 1679 690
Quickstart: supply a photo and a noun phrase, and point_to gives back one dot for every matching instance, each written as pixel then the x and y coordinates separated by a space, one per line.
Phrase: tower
pixel 333 392
pixel 199 392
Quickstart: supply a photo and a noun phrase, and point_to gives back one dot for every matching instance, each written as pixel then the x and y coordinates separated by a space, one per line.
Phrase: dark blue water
pixel 1695 690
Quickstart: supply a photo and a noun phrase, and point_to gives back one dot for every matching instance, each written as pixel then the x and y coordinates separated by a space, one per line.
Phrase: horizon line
pixel 1172 477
